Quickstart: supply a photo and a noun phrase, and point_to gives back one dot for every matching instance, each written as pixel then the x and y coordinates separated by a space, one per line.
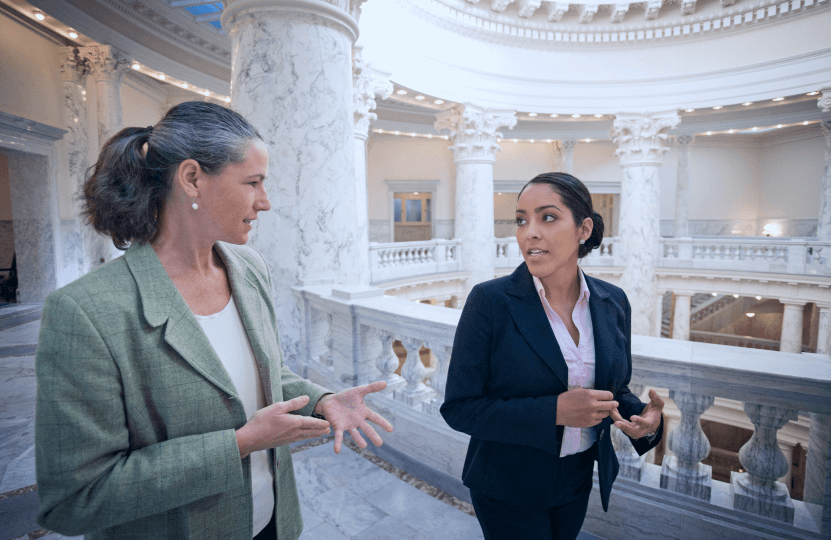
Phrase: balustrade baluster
pixel 757 490
pixel 387 361
pixel 328 357
pixel 438 381
pixel 684 473
pixel 415 392
pixel 631 464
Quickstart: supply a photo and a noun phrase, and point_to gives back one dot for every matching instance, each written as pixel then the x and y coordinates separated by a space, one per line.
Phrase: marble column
pixel 473 132
pixel 640 139
pixel 684 473
pixel 757 490
pixel 681 315
pixel 824 332
pixel 682 196
pixel 818 468
pixel 365 87
pixel 74 71
pixel 291 76
pixel 568 156
pixel 824 221
pixel 108 67
pixel 791 340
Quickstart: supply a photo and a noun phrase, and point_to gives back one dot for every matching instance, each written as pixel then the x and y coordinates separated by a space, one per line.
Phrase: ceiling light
pixel 136 66
pixel 598 116
pixel 812 93
pixel 715 294
pixel 548 140
pixel 413 135
pixel 778 126
pixel 709 133
pixel 735 296
pixel 755 129
pixel 588 140
pixel 758 298
pixel 805 123
pixel 380 131
pixel 532 140
pixel 532 114
pixel 717 107
pixel 498 140
pixel 429 135
pixel 83 92
pixel 419 98
pixel 746 103
pixel 689 110
pixel 439 101
pixel 777 99
pixel 227 100
pixel 751 315
pixel 732 131
pixel 499 194
pixel 398 133
pixel 401 92
pixel 444 137
pixel 415 192
pixel 553 115
pixel 205 93
pixel 39 15
pixel 73 35
pixel 575 116
pixel 184 85
pixel 516 140
pixel 161 77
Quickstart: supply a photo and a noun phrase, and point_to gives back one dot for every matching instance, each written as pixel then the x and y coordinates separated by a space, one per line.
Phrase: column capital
pixel 345 13
pixel 641 137
pixel 473 130
pixel 105 62
pixel 824 101
pixel 685 140
pixel 569 144
pixel 825 125
pixel 74 67
pixel 367 84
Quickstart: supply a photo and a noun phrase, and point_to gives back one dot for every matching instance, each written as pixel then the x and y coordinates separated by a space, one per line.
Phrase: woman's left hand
pixel 646 422
pixel 346 411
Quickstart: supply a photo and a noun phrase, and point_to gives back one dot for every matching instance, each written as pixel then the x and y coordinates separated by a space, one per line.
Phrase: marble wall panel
pixel 445 229
pixel 413 233
pixel 72 247
pixel 379 230
pixel 504 228
pixel 6 243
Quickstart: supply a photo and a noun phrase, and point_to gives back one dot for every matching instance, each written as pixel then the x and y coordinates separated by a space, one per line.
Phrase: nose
pixel 531 230
pixel 262 204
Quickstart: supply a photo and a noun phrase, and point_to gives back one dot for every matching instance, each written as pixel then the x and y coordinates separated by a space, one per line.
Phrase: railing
pixel 738 341
pixel 348 339
pixel 399 260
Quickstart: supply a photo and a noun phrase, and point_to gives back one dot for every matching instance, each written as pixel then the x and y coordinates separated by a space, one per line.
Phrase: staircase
pixel 697 302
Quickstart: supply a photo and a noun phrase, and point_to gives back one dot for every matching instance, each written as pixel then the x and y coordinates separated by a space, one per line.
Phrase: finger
pixel 379 420
pixel 292 405
pixel 656 400
pixel 313 423
pixel 616 417
pixel 376 386
pixel 371 434
pixel 627 428
pixel 356 436
pixel 338 440
pixel 607 405
pixel 602 395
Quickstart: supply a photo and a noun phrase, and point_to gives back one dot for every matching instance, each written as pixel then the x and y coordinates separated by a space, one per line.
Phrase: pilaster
pixel 682 196
pixel 824 221
pixel 791 339
pixel 568 155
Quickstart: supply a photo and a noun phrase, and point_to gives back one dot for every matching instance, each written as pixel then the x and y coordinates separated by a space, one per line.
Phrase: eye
pixel 549 217
pixel 520 221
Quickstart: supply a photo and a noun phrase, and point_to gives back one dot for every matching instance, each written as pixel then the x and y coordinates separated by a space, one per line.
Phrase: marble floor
pixel 353 495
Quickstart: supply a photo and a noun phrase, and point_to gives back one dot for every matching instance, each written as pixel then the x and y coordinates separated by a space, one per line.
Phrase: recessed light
pixel 532 114
pixel 499 193
pixel 755 129
pixel 778 126
pixel 439 101
pixel 398 133
pixel 805 123
pixel 413 135
pixel 73 35
pixel 735 296
pixel 532 140
pixel 498 140
pixel 548 140
pixel 598 116
pixel 812 93
pixel 553 115
pixel 136 66
pixel 445 137
pixel 709 133
pixel 588 140
pixel 715 294
pixel 227 100
pixel 516 140
pixel 758 298
pixel 732 131
pixel 161 77
pixel 746 103
pixel 184 85
pixel 429 135
pixel 379 131
pixel 205 93
pixel 575 116
pixel 717 107
pixel 689 110
pixel 777 99
pixel 419 98
pixel 39 15
pixel 751 315
pixel 401 92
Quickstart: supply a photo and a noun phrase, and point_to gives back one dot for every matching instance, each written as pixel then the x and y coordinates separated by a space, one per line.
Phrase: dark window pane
pixel 396 209
pixel 427 210
pixel 413 210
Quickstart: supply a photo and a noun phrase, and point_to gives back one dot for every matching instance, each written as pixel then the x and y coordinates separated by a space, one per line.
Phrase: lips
pixel 536 252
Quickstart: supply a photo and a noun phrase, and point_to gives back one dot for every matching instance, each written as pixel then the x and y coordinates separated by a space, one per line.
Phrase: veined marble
pixel 824 331
pixel 108 67
pixel 291 77
pixel 682 195
pixel 567 161
pixel 791 340
pixel 681 316
pixel 824 222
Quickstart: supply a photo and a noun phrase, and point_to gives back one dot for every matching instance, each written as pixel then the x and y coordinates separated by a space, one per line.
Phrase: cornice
pixel 394 186
pixel 29 129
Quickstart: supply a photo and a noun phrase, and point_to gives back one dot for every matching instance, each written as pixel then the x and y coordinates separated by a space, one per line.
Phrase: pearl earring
pixel 581 240
pixel 194 205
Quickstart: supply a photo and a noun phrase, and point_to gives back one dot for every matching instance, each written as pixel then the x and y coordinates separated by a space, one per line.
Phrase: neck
pixel 182 249
pixel 563 286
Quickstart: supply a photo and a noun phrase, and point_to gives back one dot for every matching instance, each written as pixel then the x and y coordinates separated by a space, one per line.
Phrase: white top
pixel 230 342
pixel 580 359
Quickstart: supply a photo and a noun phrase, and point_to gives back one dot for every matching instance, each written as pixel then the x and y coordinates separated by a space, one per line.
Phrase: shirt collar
pixel 583 298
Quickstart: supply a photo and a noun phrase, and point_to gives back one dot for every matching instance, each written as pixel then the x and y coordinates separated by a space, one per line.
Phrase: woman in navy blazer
pixel 508 381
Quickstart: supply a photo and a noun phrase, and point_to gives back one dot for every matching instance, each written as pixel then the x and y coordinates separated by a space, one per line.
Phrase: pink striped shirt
pixel 579 359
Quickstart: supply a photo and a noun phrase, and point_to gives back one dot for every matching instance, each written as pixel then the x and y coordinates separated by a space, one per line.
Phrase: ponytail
pixel 596 237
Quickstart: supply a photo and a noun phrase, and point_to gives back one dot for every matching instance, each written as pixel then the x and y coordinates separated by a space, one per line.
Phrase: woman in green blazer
pixel 141 431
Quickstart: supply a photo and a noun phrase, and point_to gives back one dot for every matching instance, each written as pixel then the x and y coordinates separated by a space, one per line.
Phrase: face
pixel 546 233
pixel 231 200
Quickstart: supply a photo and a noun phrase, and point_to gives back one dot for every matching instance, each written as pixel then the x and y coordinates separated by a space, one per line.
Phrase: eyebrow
pixel 539 209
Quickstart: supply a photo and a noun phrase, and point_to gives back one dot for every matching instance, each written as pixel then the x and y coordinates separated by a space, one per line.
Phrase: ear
pixel 586 229
pixel 187 174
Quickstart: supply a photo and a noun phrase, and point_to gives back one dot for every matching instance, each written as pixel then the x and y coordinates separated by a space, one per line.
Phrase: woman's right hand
pixel 582 408
pixel 273 426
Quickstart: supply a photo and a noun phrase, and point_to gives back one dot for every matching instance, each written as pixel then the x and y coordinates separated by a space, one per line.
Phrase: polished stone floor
pixel 351 495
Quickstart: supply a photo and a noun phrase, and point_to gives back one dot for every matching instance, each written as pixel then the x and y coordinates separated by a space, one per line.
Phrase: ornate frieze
pixel 587 13
pixel 687 7
pixel 652 9
pixel 618 12
pixel 528 7
pixel 74 67
pixel 500 5
pixel 641 137
pixel 105 62
pixel 365 87
pixel 824 102
pixel 556 10
pixel 473 130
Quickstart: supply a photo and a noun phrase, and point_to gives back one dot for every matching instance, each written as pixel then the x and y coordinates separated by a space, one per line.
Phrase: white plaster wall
pixel 141 104
pixel 790 175
pixel 522 160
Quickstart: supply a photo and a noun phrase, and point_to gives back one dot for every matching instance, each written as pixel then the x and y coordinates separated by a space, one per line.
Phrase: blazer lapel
pixel 529 315
pixel 163 305
pixel 252 310
pixel 603 325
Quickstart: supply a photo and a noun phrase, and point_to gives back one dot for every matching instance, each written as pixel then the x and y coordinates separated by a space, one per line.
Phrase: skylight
pixel 208 12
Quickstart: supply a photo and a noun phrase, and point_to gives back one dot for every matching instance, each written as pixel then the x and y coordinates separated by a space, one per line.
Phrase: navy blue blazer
pixel 505 374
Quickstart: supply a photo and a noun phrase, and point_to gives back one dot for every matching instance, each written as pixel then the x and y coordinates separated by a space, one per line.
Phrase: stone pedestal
pixel 640 138
pixel 791 340
pixel 757 490
pixel 473 131
pixel 681 315
pixel 824 221
pixel 684 473
pixel 568 155
pixel 292 78
pixel 682 196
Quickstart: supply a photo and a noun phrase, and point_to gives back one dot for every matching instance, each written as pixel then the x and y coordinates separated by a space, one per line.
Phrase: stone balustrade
pixel 347 340
pixel 399 260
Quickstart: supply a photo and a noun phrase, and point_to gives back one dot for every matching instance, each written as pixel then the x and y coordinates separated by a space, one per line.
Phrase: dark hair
pixel 577 198
pixel 125 194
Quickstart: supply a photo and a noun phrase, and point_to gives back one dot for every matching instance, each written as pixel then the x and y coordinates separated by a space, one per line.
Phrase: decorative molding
pixel 74 67
pixel 105 62
pixel 684 140
pixel 473 130
pixel 641 137
pixel 404 186
pixel 619 12
pixel 343 13
pixel 508 186
pixel 556 10
pixel 608 187
pixel 587 13
pixel 28 130
pixel 528 7
pixel 824 103
pixel 366 85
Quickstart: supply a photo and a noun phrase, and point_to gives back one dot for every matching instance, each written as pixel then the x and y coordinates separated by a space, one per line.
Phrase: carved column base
pixel 414 397
pixel 395 383
pixel 772 502
pixel 695 482
pixel 432 407
pixel 631 465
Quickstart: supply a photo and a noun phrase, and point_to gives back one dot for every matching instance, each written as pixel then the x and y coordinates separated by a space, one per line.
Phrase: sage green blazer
pixel 136 414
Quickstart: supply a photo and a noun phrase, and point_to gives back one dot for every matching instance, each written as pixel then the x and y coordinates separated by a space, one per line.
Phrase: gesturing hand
pixel 582 408
pixel 644 423
pixel 346 411
pixel 272 426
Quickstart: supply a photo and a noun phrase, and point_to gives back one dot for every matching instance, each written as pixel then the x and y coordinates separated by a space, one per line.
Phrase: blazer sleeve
pixel 628 403
pixel 529 421
pixel 88 477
